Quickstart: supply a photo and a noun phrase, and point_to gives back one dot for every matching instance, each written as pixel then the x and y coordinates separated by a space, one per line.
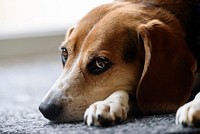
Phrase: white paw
pixel 189 114
pixel 104 113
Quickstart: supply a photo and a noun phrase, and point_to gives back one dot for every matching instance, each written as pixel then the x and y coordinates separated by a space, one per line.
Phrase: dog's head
pixel 115 47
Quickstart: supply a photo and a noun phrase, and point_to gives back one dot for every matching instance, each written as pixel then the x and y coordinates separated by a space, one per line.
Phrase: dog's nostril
pixel 50 111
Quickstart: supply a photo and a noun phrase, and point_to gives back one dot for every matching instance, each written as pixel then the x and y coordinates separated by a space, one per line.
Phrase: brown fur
pixel 147 43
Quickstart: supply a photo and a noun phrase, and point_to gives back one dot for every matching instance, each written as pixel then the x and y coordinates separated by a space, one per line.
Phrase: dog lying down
pixel 128 56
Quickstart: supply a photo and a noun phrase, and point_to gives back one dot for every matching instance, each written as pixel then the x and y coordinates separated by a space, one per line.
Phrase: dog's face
pixel 99 56
pixel 121 46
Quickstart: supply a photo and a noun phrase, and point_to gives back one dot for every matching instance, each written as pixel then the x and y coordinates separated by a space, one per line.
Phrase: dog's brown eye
pixel 99 65
pixel 64 55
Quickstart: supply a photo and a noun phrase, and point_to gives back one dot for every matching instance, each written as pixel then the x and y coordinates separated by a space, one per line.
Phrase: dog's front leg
pixel 110 111
pixel 189 114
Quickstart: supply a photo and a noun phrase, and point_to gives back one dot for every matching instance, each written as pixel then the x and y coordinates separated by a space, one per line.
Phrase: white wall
pixel 28 18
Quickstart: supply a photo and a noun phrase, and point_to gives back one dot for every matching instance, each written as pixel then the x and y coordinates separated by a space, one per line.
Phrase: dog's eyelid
pixel 60 48
pixel 63 49
pixel 63 44
pixel 96 56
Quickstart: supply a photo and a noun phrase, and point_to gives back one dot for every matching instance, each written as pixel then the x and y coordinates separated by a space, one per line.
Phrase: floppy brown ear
pixel 168 71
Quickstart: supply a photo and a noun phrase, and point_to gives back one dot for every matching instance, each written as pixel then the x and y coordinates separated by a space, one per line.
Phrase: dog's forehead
pixel 87 24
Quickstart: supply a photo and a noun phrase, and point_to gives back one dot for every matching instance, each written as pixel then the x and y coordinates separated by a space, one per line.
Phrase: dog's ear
pixel 168 70
pixel 69 31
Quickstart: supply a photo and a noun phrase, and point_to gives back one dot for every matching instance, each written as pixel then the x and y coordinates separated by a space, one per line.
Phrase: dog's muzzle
pixel 50 111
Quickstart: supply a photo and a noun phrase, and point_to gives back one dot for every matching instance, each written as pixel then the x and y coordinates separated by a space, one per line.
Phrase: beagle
pixel 128 57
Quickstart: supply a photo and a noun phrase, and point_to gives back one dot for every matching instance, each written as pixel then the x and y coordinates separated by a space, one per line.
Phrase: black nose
pixel 50 111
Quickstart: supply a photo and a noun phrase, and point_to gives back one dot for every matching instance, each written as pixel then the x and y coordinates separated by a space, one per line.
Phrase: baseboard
pixel 24 47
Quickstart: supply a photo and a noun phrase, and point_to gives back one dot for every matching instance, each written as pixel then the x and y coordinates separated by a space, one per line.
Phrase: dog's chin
pixel 66 118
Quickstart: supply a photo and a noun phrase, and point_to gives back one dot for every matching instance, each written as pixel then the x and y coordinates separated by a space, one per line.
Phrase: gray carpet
pixel 23 84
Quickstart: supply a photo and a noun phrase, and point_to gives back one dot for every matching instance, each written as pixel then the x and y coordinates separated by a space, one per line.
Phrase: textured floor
pixel 23 84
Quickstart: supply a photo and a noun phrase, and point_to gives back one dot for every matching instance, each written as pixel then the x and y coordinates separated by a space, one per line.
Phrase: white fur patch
pixel 64 82
pixel 110 111
pixel 189 114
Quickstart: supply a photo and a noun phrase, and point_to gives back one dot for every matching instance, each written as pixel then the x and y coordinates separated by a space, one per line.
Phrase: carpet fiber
pixel 23 84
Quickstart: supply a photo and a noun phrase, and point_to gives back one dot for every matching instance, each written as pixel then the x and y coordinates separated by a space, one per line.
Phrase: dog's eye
pixel 64 55
pixel 99 65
